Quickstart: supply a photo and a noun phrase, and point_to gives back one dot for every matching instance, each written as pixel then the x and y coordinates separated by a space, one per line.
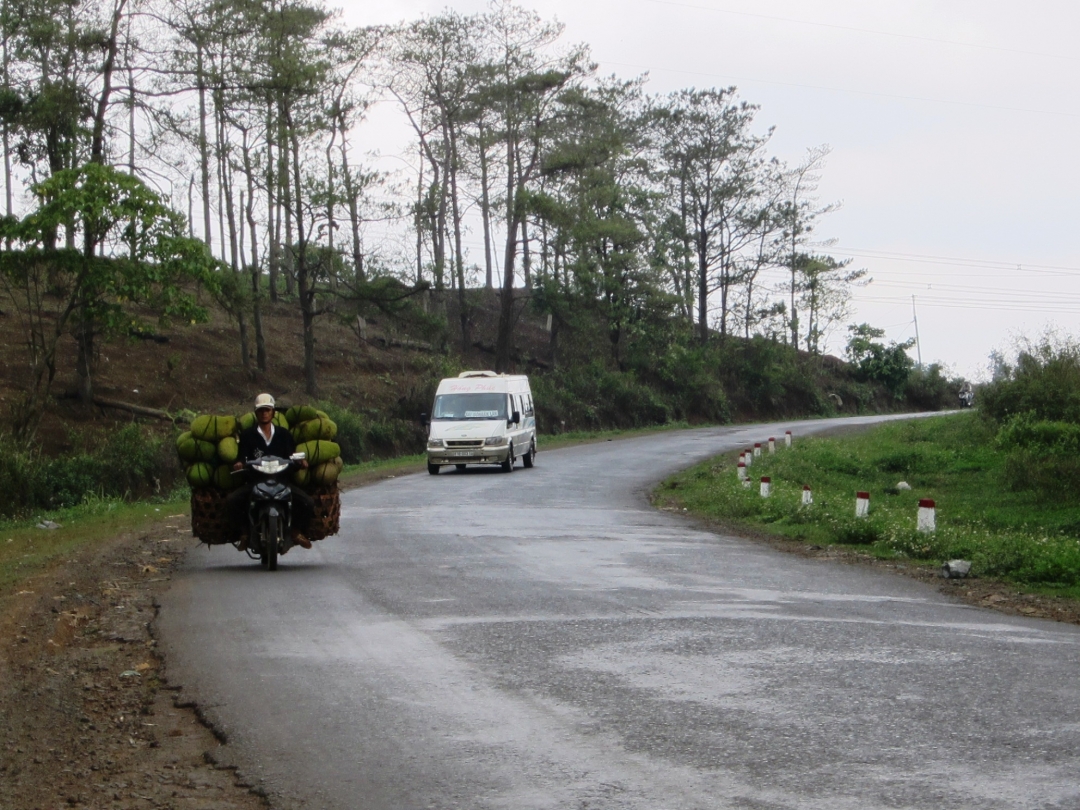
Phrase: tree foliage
pixel 875 361
pixel 640 221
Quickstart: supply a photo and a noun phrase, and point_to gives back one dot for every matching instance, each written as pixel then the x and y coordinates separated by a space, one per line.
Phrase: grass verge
pixel 26 550
pixel 1023 537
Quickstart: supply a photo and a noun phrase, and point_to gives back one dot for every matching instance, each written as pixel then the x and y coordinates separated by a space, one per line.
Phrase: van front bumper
pixel 479 455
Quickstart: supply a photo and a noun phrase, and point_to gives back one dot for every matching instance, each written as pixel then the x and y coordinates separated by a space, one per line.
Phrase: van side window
pixel 528 404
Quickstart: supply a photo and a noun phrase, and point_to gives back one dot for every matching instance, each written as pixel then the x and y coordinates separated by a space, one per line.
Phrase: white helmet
pixel 263 401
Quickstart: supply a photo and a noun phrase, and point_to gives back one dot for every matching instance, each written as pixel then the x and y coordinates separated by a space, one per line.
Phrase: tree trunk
pixel 97 143
pixel 226 207
pixel 273 225
pixel 420 219
pixel 703 282
pixel 485 211
pixel 305 286
pixel 204 147
pixel 354 207
pixel 7 133
pixel 506 298
pixel 459 259
pixel 255 271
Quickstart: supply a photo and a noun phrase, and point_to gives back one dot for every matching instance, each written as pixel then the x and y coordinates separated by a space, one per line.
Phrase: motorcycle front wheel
pixel 271 536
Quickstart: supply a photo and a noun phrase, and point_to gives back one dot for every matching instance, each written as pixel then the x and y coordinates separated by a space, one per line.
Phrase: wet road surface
pixel 544 639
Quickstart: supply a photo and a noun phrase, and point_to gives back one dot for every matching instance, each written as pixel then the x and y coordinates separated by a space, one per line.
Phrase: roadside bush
pixel 592 397
pixel 928 390
pixel 128 463
pixel 350 435
pixel 688 376
pixel 363 438
pixel 1044 382
pixel 1027 432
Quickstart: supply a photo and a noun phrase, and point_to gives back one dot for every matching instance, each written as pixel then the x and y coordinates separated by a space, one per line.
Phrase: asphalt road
pixel 544 639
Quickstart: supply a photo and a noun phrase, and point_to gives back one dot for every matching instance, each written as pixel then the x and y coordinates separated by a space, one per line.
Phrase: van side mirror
pixel 515 418
pixel 424 421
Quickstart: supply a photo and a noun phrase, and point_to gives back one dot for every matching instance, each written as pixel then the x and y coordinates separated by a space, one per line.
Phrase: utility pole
pixel 918 343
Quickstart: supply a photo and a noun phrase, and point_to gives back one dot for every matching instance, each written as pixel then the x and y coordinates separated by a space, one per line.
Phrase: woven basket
pixel 327 519
pixel 209 516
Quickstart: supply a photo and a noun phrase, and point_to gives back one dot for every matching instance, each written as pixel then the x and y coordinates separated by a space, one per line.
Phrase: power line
pixel 869 93
pixel 867 253
pixel 867 30
pixel 1051 296
pixel 967 303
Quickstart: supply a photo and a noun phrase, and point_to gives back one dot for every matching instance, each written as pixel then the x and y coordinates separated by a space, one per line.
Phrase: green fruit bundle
pixel 211 447
pixel 209 450
pixel 302 413
pixel 321 475
pixel 248 420
pixel 324 462
pixel 192 450
pixel 211 428
pixel 313 429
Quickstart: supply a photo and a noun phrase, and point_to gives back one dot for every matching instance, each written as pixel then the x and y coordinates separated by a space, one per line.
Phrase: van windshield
pixel 470 406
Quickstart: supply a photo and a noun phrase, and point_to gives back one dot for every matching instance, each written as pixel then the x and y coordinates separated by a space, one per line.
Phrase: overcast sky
pixel 954 128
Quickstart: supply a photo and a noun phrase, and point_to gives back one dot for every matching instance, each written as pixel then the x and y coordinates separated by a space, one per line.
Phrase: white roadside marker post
pixel 927 520
pixel 742 469
pixel 862 504
pixel 787 438
pixel 747 482
pixel 749 456
pixel 772 444
pixel 766 486
pixel 757 449
pixel 807 495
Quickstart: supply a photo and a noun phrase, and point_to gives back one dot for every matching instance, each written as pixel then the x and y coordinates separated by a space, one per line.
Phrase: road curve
pixel 544 639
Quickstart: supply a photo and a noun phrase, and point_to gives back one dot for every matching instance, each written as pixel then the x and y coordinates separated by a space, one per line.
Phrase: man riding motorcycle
pixel 266 439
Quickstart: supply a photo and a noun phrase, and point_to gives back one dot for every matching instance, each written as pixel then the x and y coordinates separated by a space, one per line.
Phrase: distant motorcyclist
pixel 267 439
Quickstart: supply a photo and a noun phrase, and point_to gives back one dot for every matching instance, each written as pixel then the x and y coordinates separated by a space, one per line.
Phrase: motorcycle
pixel 270 508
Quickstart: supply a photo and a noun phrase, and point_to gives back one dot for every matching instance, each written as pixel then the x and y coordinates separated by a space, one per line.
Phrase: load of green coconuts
pixel 210 447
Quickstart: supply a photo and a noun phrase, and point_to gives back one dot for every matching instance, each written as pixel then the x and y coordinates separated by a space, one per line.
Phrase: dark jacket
pixel 253 446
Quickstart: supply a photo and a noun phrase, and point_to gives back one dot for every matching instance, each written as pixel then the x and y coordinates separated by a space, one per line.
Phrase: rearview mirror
pixel 515 418
pixel 424 419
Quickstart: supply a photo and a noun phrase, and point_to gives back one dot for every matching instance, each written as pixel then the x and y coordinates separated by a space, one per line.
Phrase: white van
pixel 480 417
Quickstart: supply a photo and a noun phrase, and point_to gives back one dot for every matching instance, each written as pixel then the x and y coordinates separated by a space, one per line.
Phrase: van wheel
pixel 433 469
pixel 529 458
pixel 508 465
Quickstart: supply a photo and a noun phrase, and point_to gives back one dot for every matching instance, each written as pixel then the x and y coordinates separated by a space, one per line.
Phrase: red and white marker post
pixel 742 469
pixel 772 444
pixel 766 486
pixel 787 438
pixel 757 449
pixel 862 504
pixel 807 495
pixel 927 520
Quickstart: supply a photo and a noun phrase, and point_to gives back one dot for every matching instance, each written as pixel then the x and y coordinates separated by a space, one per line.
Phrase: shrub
pixel 130 462
pixel 1027 432
pixel 362 437
pixel 929 390
pixel 1044 382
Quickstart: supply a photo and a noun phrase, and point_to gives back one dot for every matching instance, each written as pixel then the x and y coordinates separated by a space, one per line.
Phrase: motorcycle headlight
pixel 434 444
pixel 496 441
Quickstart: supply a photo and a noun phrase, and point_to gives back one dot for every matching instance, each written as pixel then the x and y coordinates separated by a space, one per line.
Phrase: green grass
pixel 1024 537
pixel 26 550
